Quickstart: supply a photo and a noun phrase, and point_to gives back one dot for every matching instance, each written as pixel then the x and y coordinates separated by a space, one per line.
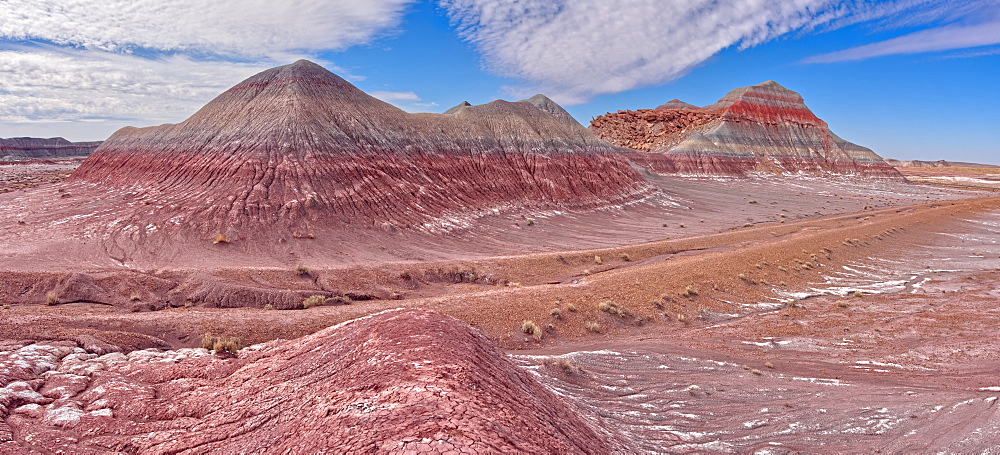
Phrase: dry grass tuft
pixel 313 300
pixel 567 366
pixel 592 326
pixel 219 238
pixel 756 372
pixel 689 291
pixel 530 328
pixel 51 298
pixel 769 365
pixel 221 344
pixel 598 260
pixel 136 295
pixel 268 307
pixel 613 308
pixel 556 312
pixel 858 293
pixel 571 307
pixel 301 270
pixel 841 304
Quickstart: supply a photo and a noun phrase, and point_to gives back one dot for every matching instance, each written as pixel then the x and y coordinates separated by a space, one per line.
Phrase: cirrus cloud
pixel 574 50
pixel 91 66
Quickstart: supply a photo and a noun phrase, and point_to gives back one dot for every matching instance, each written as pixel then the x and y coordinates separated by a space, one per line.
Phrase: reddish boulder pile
pixel 400 380
pixel 763 128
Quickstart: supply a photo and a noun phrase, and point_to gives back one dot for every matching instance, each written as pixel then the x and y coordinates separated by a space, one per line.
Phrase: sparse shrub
pixel 567 366
pixel 658 304
pixel 592 326
pixel 531 222
pixel 587 272
pixel 51 298
pixel 136 295
pixel 769 365
pixel 530 328
pixel 841 304
pixel 221 344
pixel 313 300
pixel 782 284
pixel 6 306
pixel 626 257
pixel 556 312
pixel 268 307
pixel 613 308
pixel 301 270
pixel 681 225
pixel 597 260
pixel 756 372
pixel 782 269
pixel 571 307
pixel 219 238
pixel 682 318
pixel 743 277
pixel 858 293
pixel 752 201
pixel 689 291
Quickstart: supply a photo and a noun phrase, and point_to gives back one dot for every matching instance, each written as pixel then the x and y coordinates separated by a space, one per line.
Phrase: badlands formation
pixel 302 268
pixel 761 128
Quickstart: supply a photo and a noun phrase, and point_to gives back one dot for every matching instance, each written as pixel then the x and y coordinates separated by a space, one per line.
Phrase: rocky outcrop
pixel 398 381
pixel 30 148
pixel 297 148
pixel 763 128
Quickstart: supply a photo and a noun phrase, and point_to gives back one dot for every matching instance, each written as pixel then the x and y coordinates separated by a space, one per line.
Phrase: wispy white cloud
pixel 96 65
pixel 407 101
pixel 390 97
pixel 76 85
pixel 945 38
pixel 247 28
pixel 576 49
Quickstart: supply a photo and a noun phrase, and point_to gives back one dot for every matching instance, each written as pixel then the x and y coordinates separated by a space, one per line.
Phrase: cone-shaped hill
pixel 298 147
pixel 761 128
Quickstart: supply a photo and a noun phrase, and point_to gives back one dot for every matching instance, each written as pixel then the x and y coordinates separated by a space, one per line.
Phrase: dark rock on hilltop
pixel 402 380
pixel 30 148
pixel 762 128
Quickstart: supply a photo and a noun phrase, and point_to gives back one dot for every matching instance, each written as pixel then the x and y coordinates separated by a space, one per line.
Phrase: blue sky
pixel 911 79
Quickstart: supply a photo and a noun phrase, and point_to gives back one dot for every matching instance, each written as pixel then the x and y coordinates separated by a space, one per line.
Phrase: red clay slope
pixel 296 148
pixel 402 380
pixel 762 128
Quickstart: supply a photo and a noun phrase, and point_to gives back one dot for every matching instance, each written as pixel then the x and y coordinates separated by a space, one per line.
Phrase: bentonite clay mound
pixel 762 128
pixel 402 380
pixel 298 148
pixel 31 148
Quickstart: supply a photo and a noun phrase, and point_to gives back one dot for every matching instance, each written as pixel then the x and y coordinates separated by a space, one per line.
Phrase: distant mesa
pixel 299 148
pixel 676 104
pixel 31 148
pixel 938 163
pixel 764 128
